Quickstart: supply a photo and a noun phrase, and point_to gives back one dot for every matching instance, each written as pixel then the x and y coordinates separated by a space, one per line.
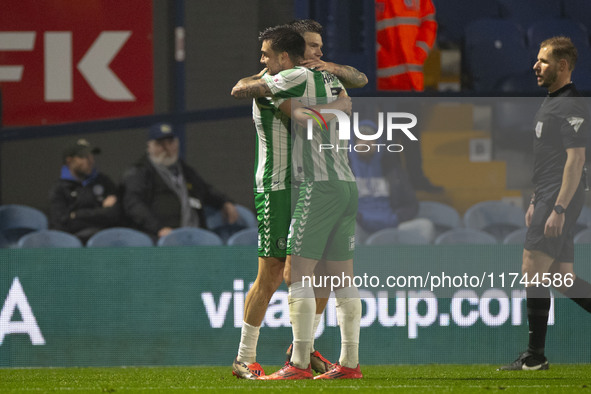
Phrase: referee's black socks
pixel 538 307
pixel 580 292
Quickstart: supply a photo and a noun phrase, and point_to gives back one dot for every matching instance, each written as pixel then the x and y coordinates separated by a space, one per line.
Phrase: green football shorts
pixel 323 223
pixel 274 214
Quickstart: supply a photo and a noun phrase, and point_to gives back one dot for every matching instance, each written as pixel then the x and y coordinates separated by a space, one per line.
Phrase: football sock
pixel 247 351
pixel 580 292
pixel 317 318
pixel 302 309
pixel 538 307
pixel 348 306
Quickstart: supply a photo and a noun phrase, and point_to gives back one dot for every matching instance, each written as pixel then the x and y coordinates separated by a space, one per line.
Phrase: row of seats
pixel 127 237
pixel 16 221
pixel 457 236
pixel 497 55
pixel 486 222
pixel 454 15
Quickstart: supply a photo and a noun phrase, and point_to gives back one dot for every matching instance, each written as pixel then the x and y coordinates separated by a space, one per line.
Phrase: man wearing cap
pixel 83 201
pixel 161 192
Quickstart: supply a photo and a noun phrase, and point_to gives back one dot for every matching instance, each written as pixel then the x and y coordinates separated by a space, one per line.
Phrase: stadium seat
pixel 397 236
pixel 188 236
pixel 527 12
pixel 513 122
pixel 578 10
pixel 453 16
pixel 443 216
pixel 584 219
pixel 579 35
pixel 49 239
pixel 494 49
pixel 516 237
pixel 494 217
pixel 119 237
pixel 465 236
pixel 248 236
pixel 217 224
pixel 18 220
pixel 583 237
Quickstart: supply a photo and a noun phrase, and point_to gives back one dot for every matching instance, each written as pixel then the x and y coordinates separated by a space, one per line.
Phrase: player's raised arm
pixel 349 76
pixel 251 87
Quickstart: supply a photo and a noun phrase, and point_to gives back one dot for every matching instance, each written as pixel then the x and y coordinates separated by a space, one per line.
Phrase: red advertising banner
pixel 67 61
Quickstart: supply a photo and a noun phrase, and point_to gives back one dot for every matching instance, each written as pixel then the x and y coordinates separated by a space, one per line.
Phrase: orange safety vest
pixel 405 31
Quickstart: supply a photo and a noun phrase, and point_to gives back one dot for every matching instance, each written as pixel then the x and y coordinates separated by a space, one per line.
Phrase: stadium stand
pixel 119 237
pixel 397 236
pixel 515 237
pixel 248 236
pixel 444 217
pixel 465 236
pixel 49 239
pixel 583 237
pixel 494 217
pixel 187 236
pixel 494 49
pixel 527 12
pixel 454 15
pixel 18 220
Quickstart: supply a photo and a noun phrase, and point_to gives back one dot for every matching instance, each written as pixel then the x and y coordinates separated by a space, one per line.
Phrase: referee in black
pixel 562 127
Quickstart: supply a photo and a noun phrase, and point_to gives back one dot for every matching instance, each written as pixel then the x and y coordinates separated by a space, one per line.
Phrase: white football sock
pixel 247 351
pixel 348 306
pixel 317 318
pixel 302 308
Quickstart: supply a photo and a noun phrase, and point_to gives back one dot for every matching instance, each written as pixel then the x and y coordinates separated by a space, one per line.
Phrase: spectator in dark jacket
pixel 161 192
pixel 83 201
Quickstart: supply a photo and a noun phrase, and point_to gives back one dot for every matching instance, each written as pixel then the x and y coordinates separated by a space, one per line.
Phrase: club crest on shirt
pixel 539 129
pixel 575 122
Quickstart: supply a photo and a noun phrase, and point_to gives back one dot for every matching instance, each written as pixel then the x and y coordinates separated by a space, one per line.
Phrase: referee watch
pixel 559 209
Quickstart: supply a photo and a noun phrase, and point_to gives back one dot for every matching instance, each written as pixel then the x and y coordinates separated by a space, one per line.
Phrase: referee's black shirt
pixel 562 122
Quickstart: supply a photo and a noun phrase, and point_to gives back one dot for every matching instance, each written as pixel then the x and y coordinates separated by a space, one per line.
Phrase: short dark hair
pixel 562 48
pixel 284 39
pixel 305 26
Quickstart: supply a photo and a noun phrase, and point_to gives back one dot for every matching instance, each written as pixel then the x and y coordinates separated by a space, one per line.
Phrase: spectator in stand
pixel 83 201
pixel 161 192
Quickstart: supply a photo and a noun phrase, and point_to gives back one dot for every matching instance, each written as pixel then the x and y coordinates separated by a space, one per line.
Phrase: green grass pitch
pixel 384 378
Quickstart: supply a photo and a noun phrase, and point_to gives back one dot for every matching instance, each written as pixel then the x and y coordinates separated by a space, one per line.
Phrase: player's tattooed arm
pixel 251 87
pixel 349 76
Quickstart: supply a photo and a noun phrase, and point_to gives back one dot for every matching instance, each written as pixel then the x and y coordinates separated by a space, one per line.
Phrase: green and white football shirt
pixel 309 162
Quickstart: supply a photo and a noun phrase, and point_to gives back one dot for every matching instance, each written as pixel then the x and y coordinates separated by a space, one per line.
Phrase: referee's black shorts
pixel 562 248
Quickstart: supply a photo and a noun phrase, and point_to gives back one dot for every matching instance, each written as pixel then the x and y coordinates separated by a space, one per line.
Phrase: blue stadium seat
pixel 217 224
pixel 584 219
pixel 494 49
pixel 454 15
pixel 248 236
pixel 396 236
pixel 578 10
pixel 494 217
pixel 579 35
pixel 583 237
pixel 516 237
pixel 119 237
pixel 465 236
pixel 49 239
pixel 187 236
pixel 527 12
pixel 18 220
pixel 443 216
